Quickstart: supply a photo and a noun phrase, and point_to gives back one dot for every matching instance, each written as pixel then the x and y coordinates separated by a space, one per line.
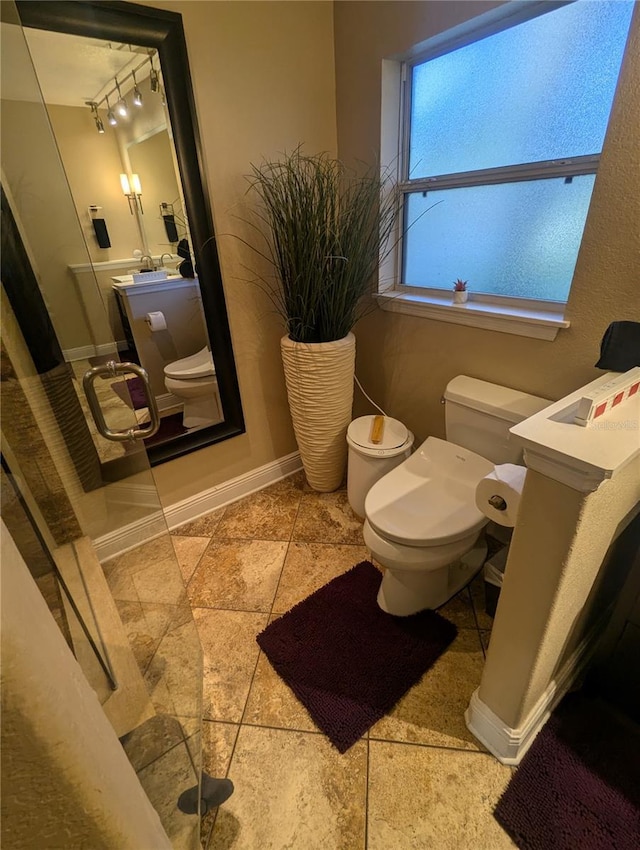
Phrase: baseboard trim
pixel 509 744
pixel 217 497
pixel 142 531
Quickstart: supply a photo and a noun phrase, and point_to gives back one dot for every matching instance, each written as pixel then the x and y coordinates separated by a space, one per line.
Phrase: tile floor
pixel 417 780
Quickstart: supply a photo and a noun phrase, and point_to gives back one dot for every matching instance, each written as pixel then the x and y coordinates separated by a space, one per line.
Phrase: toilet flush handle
pixel 111 370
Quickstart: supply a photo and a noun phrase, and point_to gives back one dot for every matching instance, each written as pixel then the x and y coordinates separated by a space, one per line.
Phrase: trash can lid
pixel 395 433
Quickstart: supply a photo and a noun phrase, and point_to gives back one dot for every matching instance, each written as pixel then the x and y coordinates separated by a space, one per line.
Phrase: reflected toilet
pixel 193 380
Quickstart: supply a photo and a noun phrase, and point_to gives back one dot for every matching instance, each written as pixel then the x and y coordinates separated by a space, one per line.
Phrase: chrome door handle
pixel 111 370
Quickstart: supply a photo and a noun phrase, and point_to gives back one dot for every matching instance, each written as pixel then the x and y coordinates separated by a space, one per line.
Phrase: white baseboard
pixel 83 352
pixel 217 497
pixel 146 529
pixel 509 744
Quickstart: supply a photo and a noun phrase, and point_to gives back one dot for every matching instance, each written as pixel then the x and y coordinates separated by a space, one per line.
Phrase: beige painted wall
pixel 405 362
pixel 93 165
pixel 263 79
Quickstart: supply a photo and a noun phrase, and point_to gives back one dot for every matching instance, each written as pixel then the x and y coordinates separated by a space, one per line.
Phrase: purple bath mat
pixel 131 391
pixel 348 661
pixel 578 787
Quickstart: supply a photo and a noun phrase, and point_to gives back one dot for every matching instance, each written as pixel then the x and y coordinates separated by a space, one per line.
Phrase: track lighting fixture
pixel 111 118
pixel 154 77
pixel 121 105
pixel 94 114
pixel 137 94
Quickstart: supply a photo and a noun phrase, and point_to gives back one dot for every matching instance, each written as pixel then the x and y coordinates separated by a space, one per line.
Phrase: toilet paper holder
pixel 498 503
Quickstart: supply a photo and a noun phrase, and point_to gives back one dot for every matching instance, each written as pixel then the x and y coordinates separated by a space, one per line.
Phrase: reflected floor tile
pixel 238 574
pixel 293 790
pixel 423 797
pixel 309 566
pixel 188 551
pixel 327 518
pixel 268 514
pixel 230 653
pixel 432 712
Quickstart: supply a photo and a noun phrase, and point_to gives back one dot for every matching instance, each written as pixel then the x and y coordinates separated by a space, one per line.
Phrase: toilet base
pixel 405 592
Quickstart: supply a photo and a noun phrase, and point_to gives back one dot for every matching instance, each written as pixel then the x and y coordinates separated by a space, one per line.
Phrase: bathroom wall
pixel 404 361
pixel 263 79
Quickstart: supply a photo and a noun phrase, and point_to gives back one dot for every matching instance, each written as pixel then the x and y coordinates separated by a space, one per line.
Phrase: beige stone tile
pixel 161 582
pixel 327 518
pixel 424 797
pixel 268 514
pixel 293 790
pixel 152 739
pixel 238 574
pixel 309 566
pixel 432 712
pixel 204 526
pixel 272 703
pixel 163 781
pixel 230 653
pixel 156 551
pixel 218 741
pixel 175 674
pixel 188 551
pixel 144 629
pixel 460 609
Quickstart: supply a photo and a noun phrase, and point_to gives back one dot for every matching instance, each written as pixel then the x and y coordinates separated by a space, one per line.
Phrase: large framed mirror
pixel 147 221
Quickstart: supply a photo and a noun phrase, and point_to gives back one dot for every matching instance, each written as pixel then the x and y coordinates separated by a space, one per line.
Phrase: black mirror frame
pixel 148 27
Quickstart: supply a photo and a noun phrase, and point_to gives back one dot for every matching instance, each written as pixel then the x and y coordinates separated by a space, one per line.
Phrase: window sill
pixel 536 322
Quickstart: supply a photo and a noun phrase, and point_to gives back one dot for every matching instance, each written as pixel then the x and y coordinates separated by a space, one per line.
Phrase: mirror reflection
pixel 106 105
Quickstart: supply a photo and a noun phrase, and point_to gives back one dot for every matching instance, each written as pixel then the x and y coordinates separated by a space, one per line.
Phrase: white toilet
pixel 422 523
pixel 193 380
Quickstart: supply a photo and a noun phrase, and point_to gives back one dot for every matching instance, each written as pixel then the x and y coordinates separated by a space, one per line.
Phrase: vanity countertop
pixel 125 284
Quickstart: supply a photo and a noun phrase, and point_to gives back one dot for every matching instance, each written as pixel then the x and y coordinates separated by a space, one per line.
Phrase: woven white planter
pixel 319 379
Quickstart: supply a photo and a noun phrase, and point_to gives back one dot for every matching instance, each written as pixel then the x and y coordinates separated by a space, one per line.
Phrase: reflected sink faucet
pixel 149 266
pixel 162 256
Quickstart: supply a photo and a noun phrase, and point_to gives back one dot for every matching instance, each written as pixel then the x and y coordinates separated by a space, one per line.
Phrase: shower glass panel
pixel 92 504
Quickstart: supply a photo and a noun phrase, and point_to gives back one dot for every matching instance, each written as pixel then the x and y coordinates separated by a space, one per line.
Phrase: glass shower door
pixel 104 554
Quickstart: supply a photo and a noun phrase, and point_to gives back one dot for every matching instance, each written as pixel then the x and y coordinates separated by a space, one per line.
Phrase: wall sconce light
pixel 132 190
pixel 154 77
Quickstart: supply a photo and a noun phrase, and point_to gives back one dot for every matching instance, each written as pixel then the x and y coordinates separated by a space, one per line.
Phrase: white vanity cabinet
pixel 178 299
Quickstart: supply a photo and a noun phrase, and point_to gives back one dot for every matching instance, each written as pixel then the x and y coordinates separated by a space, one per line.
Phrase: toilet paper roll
pixel 156 321
pixel 498 494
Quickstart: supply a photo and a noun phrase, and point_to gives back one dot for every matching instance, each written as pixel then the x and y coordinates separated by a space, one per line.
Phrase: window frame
pixel 512 314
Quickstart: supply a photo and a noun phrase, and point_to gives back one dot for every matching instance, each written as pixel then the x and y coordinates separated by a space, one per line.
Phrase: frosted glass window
pixel 517 239
pixel 540 90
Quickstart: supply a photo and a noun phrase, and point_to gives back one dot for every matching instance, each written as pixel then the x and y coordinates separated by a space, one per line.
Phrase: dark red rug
pixel 578 787
pixel 348 661
pixel 131 391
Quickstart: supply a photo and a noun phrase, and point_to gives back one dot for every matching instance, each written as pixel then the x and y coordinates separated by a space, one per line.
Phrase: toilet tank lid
pixel 395 433
pixel 502 402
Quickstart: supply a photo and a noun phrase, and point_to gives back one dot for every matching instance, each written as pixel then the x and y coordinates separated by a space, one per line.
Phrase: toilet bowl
pixel 193 380
pixel 421 519
pixel 422 523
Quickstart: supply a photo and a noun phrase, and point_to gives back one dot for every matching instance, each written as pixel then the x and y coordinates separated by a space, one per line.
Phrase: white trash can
pixel 368 461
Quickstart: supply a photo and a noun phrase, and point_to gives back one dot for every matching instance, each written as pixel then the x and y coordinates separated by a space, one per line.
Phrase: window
pixel 501 142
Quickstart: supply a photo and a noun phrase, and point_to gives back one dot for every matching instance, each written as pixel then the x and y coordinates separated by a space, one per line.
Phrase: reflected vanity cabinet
pixel 179 301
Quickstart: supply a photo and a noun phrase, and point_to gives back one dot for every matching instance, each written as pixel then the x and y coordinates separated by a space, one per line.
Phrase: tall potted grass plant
pixel 325 228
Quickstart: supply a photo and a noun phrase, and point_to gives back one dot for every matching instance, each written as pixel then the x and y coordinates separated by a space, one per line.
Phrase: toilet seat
pixel 198 365
pixel 428 500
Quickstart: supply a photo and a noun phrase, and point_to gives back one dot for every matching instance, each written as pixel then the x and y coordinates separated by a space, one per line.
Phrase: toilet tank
pixel 478 416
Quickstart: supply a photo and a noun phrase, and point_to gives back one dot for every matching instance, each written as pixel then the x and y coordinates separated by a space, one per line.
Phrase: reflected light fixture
pixel 111 118
pixel 121 106
pixel 137 94
pixel 132 190
pixel 154 77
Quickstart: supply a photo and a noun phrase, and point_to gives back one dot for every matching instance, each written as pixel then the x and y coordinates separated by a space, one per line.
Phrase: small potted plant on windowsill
pixel 460 293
